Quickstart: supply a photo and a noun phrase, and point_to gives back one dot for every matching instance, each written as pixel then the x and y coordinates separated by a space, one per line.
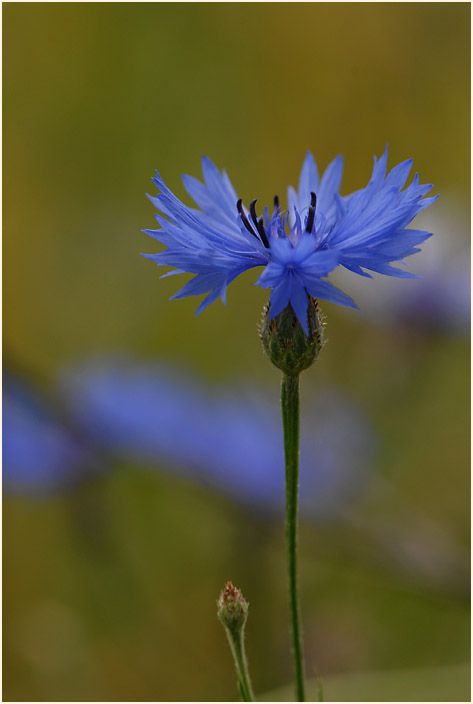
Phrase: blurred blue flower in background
pixel 230 441
pixel 365 230
pixel 39 453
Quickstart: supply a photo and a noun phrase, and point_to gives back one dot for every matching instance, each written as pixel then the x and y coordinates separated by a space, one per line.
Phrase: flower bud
pixel 285 343
pixel 232 608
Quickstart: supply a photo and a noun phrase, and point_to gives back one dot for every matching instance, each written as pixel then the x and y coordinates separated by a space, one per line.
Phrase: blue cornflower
pixel 298 248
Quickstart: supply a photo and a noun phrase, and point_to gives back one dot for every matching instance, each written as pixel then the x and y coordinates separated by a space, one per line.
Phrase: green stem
pixel 290 418
pixel 237 645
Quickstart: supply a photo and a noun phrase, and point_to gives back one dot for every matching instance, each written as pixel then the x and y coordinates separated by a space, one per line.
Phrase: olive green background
pixel 109 591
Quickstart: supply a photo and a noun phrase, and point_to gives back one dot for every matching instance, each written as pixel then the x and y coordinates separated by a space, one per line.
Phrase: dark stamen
pixel 262 233
pixel 254 217
pixel 258 223
pixel 310 220
pixel 245 219
pixel 276 202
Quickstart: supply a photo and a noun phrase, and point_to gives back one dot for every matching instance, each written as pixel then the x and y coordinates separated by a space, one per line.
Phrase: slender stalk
pixel 237 645
pixel 290 417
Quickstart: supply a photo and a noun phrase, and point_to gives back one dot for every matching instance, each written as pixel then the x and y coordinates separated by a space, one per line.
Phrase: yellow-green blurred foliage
pixel 110 590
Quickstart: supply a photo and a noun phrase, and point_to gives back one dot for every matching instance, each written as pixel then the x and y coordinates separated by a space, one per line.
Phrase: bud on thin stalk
pixel 232 612
pixel 292 350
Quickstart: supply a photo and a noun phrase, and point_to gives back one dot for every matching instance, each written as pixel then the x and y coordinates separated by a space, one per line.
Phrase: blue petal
pixel 199 284
pixel 292 204
pixel 398 175
pixel 330 184
pixel 389 270
pixel 320 263
pixel 279 298
pixel 198 192
pixel 212 296
pixel 299 301
pixel 272 275
pixel 327 292
pixel 220 186
pixel 308 181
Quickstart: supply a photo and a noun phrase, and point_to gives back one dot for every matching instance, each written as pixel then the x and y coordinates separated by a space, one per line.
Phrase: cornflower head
pixel 298 248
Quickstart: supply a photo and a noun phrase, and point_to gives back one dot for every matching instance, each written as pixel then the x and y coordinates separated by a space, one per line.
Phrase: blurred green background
pixel 109 590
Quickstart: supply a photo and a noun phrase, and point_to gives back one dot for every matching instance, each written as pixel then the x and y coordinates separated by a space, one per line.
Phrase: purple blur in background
pixel 39 453
pixel 229 440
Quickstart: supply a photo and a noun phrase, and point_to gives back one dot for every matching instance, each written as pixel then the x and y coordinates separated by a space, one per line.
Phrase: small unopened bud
pixel 232 608
pixel 232 611
pixel 285 343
